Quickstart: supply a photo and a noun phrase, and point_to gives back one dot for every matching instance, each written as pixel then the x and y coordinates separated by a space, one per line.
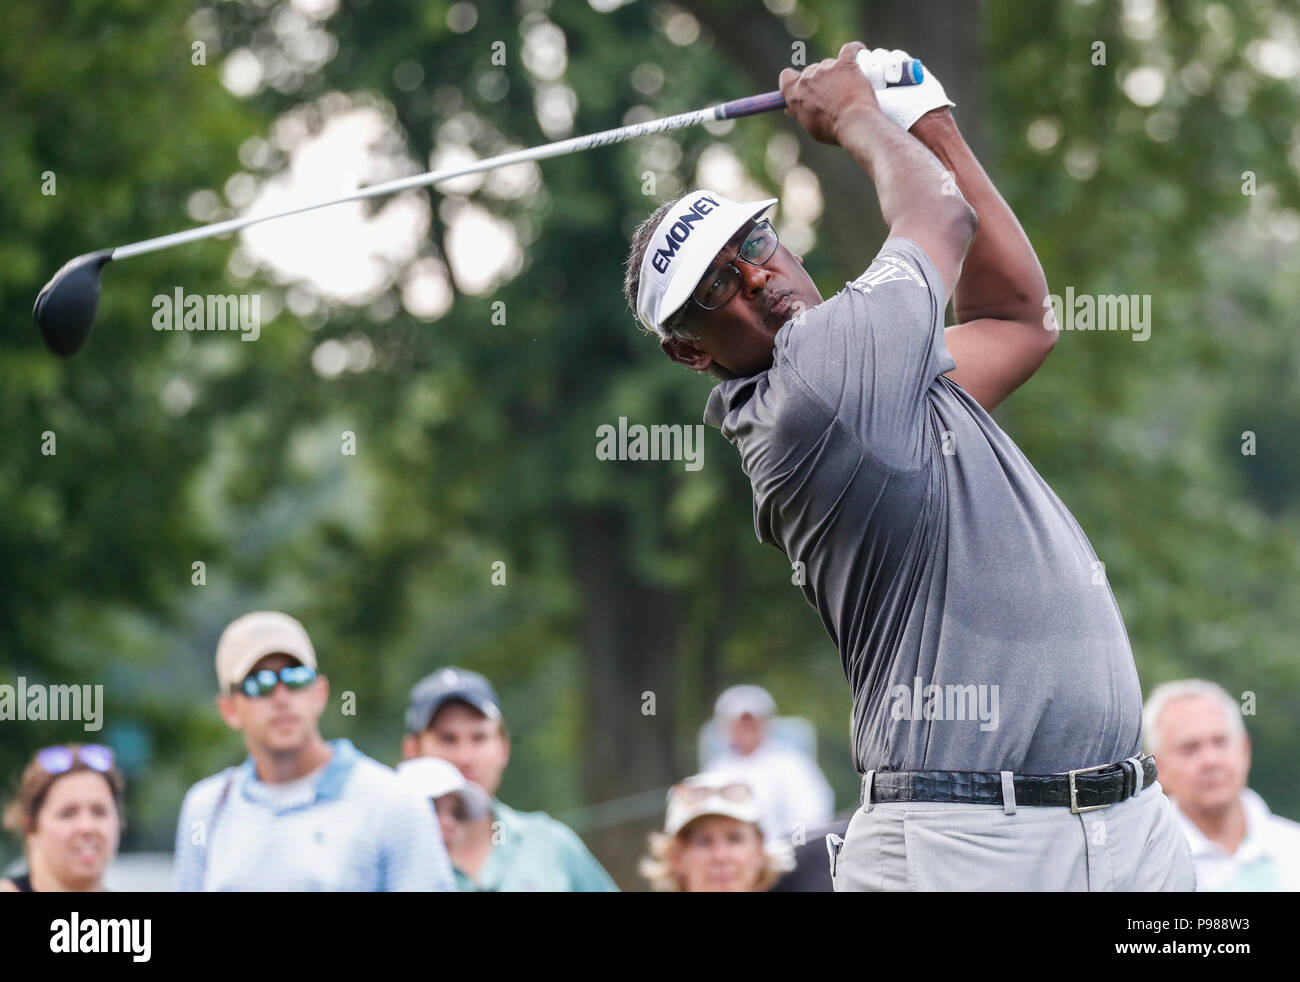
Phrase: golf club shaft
pixel 749 106
pixel 729 110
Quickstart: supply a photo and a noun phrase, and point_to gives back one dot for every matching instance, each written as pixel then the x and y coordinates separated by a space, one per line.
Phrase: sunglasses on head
pixel 263 682
pixel 60 759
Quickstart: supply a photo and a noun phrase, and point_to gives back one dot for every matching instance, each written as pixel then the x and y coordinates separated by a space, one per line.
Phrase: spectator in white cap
pixel 300 814
pixel 458 802
pixel 792 793
pixel 712 842
pixel 1195 730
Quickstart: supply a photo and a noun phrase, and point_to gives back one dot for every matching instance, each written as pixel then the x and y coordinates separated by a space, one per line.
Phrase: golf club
pixel 65 308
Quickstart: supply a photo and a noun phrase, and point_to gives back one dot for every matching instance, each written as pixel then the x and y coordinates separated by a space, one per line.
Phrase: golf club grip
pixel 752 105
pixel 913 74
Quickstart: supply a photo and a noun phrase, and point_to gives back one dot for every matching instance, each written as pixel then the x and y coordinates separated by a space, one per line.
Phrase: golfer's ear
pixel 685 353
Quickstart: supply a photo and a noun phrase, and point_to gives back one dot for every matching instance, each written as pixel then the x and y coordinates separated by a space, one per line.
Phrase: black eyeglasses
pixel 262 683
pixel 721 285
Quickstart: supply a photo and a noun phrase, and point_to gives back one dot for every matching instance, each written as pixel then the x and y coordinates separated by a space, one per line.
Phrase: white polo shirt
pixel 349 826
pixel 1267 859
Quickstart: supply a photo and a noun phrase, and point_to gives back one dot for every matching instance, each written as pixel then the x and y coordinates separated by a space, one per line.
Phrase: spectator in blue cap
pixel 455 714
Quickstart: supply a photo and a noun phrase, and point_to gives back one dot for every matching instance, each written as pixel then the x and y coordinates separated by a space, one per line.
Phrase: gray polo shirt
pixel 973 619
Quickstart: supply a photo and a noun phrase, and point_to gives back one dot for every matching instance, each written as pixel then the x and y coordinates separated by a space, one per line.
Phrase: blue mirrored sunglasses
pixel 263 682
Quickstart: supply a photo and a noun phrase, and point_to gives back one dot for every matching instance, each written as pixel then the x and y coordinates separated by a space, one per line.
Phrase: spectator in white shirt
pixel 300 814
pixel 1195 730
pixel 792 793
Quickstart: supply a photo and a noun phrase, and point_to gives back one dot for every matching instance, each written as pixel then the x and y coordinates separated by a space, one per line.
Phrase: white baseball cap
pixel 709 794
pixel 256 635
pixel 741 700
pixel 683 246
pixel 433 777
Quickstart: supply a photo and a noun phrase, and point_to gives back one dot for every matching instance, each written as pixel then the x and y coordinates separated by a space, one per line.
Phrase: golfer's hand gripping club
pixel 902 102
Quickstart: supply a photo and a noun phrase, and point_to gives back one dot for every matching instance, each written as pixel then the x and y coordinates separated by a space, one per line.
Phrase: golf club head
pixel 65 308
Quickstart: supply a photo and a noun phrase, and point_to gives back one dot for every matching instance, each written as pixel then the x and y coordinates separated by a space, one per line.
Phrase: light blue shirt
pixel 533 852
pixel 349 827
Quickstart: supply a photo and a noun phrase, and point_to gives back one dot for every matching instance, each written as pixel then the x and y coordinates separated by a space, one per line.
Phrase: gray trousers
pixel 1136 845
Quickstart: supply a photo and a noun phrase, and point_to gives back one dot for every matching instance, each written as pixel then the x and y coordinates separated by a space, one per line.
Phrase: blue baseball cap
pixel 445 685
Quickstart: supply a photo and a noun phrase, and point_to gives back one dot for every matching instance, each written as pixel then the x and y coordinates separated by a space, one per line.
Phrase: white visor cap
pixel 683 247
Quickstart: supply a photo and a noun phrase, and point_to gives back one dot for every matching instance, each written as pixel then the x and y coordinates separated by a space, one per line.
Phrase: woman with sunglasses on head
pixel 711 841
pixel 68 814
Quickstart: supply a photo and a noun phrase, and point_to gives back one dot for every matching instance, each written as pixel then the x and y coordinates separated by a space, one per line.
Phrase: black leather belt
pixel 1082 790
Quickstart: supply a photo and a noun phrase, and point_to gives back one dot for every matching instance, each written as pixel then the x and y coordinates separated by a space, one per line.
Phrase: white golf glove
pixel 904 104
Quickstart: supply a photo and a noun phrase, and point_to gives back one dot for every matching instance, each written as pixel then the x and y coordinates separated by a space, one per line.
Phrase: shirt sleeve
pixel 190 859
pixel 414 856
pixel 871 352
pixel 585 873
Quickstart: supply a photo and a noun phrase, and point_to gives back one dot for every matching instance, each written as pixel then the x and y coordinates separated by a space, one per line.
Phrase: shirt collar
pixel 509 819
pixel 1258 817
pixel 1252 844
pixel 329 787
pixel 727 397
pixel 492 874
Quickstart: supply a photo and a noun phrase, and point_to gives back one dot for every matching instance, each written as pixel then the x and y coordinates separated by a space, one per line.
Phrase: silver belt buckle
pixel 1074 791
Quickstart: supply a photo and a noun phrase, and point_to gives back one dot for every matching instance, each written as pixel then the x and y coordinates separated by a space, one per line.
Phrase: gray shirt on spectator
pixel 973 619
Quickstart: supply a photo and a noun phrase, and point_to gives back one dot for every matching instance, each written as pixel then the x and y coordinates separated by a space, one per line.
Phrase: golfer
pixel 995 699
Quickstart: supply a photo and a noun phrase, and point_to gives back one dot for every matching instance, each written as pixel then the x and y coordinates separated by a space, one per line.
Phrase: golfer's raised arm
pixel 836 104
pixel 999 340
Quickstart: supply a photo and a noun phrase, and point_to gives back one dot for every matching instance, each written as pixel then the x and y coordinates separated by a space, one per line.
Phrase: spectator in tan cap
pixel 300 814
pixel 712 842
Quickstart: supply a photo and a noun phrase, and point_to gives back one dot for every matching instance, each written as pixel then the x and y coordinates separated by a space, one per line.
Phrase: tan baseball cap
pixel 254 636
